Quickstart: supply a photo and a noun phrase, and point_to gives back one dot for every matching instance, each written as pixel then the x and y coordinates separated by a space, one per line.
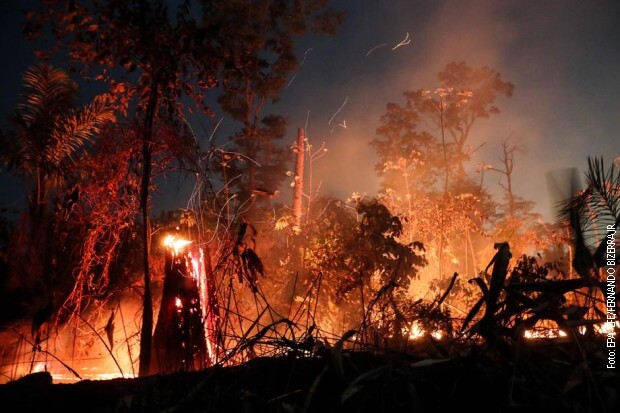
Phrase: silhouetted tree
pixel 412 154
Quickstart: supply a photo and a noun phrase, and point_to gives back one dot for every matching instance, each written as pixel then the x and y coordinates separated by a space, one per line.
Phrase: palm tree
pixel 49 134
pixel 590 213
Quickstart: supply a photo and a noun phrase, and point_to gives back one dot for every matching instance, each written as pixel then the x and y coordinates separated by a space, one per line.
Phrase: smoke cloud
pixel 559 55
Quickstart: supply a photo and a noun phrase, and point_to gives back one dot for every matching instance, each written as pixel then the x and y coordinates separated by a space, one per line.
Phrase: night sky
pixel 562 56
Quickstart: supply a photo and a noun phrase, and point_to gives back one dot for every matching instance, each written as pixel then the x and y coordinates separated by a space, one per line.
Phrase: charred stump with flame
pixel 182 340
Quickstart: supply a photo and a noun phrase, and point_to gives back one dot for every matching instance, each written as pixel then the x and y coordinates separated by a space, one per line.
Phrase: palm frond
pixel 76 129
pixel 598 205
pixel 47 91
pixel 591 211
pixel 604 191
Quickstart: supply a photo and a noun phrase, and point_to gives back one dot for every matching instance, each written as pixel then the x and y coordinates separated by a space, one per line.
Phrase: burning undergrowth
pixel 431 291
pixel 344 329
pixel 368 295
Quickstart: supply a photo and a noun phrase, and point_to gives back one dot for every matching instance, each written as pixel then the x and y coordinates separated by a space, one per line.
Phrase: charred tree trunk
pixel 299 179
pixel 179 342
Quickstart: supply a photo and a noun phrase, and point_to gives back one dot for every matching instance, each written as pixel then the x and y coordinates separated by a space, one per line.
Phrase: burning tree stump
pixel 180 341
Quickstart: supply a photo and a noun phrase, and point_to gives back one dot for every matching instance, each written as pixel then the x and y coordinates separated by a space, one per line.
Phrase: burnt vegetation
pixel 434 294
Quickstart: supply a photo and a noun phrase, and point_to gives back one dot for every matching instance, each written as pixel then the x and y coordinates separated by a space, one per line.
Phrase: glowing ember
pixel 175 243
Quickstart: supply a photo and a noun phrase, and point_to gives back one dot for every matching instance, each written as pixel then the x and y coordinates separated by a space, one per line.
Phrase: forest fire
pixel 436 264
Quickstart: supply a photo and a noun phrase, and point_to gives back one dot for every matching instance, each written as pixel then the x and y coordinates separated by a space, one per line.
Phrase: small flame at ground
pixel 85 374
pixel 544 333
pixel 607 328
pixel 544 330
pixel 417 332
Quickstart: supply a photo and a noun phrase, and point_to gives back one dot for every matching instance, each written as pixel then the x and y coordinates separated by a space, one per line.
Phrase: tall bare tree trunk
pixel 299 179
pixel 147 300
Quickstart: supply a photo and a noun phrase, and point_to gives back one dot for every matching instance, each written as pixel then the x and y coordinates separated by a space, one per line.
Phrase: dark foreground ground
pixel 546 377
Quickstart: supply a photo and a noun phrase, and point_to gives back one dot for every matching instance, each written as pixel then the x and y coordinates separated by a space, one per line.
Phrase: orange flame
pixel 175 243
